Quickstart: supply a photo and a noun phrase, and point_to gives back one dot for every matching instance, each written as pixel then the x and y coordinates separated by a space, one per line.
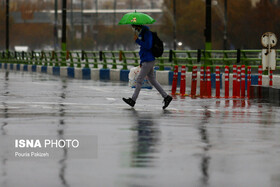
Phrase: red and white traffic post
pixel 260 76
pixel 194 81
pixel 243 81
pixel 202 82
pixel 238 81
pixel 174 82
pixel 234 81
pixel 249 71
pixel 218 82
pixel 226 82
pixel 270 78
pixel 208 79
pixel 183 81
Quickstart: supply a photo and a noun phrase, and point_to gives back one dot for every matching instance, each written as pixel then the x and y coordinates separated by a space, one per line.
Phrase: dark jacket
pixel 145 40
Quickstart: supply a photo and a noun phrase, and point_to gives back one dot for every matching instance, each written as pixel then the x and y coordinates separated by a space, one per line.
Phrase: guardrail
pixel 123 59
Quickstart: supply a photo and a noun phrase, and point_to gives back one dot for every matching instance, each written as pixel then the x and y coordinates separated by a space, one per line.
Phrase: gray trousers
pixel 147 69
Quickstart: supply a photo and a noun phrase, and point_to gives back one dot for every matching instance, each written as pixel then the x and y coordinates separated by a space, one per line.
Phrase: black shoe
pixel 129 101
pixel 166 101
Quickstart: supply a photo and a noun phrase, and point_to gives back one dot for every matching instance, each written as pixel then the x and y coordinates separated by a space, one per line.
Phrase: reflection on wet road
pixel 195 142
pixel 4 112
pixel 205 158
pixel 147 137
pixel 60 132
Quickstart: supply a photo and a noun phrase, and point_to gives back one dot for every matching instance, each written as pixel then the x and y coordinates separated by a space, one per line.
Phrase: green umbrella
pixel 136 18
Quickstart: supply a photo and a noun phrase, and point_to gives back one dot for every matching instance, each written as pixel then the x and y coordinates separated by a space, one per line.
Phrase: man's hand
pixel 135 37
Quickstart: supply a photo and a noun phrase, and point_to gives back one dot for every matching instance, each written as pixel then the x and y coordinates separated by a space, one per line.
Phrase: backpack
pixel 157 46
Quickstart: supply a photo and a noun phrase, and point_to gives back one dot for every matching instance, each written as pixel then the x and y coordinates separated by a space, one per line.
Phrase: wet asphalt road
pixel 195 142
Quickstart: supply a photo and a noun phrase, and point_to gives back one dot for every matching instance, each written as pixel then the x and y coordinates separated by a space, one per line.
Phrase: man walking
pixel 147 62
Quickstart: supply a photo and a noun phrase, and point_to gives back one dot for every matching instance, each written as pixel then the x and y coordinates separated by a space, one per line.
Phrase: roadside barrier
pixel 114 65
pixel 123 59
pixel 241 86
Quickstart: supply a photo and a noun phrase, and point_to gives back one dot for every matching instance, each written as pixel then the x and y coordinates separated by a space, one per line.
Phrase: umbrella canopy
pixel 136 18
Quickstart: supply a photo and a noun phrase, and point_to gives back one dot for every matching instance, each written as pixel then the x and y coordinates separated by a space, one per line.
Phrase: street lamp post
pixel 71 19
pixel 207 32
pixel 225 29
pixel 174 25
pixel 115 7
pixel 95 33
pixel 55 26
pixel 7 25
pixel 82 20
pixel 131 4
pixel 63 39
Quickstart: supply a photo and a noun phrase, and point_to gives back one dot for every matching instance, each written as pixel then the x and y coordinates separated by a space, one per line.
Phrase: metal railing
pixel 125 59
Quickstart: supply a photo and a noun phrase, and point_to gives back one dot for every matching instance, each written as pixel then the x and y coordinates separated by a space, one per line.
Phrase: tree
pixel 190 16
pixel 240 24
pixel 2 28
pixel 31 34
pixel 266 18
pixel 191 23
pixel 246 23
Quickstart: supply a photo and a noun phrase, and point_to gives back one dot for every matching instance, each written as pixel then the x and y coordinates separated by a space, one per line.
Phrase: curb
pixel 71 72
pixel 265 94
